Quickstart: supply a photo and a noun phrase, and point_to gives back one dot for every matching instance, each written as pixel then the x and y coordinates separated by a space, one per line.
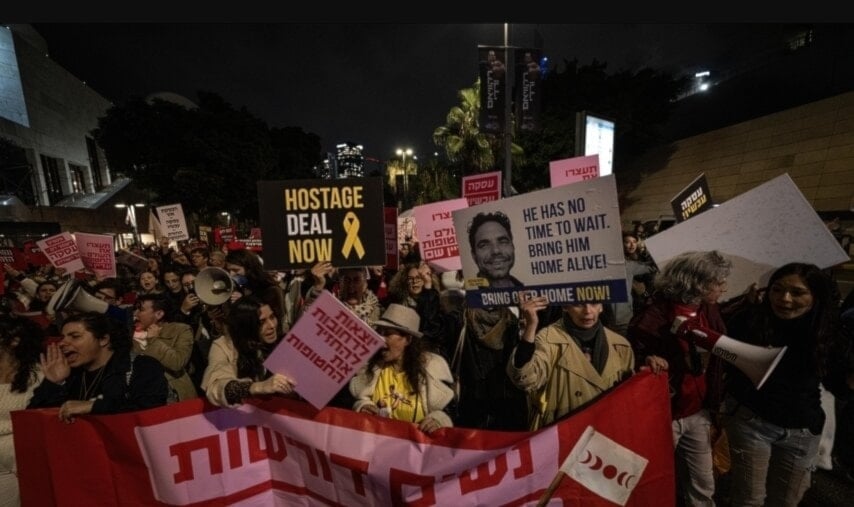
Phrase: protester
pixel 92 371
pixel 568 363
pixel 171 343
pixel 352 290
pixel 689 285
pixel 250 278
pixel 199 257
pixel 402 379
pixel 148 284
pixel 217 259
pixel 172 288
pixel 774 431
pixel 488 398
pixel 20 343
pixel 236 368
pixel 44 292
pixel 413 287
pixel 637 266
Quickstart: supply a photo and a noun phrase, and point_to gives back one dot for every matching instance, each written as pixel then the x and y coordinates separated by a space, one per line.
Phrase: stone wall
pixel 813 143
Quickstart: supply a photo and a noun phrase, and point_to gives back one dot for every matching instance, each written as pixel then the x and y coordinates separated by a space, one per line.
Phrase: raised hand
pixel 54 365
pixel 319 272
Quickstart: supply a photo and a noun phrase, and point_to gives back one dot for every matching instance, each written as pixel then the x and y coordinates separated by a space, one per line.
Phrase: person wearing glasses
pixel 413 286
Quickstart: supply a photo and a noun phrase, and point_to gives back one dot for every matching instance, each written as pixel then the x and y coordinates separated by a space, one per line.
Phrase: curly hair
pixel 689 276
pixel 414 357
pixel 101 325
pixel 30 338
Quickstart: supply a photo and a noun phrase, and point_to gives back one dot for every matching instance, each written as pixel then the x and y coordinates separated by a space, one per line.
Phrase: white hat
pixel 401 318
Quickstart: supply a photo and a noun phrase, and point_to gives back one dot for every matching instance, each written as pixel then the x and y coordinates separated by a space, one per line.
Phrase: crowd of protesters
pixel 145 338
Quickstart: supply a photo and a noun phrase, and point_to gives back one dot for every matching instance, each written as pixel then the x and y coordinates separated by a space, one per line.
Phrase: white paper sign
pixel 172 223
pixel 759 231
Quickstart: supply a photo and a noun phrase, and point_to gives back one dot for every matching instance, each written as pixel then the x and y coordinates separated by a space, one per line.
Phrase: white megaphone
pixel 214 286
pixel 754 361
pixel 72 296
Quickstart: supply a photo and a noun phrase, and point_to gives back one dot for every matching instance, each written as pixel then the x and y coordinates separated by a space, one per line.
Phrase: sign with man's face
pixel 564 243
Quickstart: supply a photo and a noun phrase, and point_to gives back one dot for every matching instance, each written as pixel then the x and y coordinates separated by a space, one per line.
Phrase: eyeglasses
pixel 414 279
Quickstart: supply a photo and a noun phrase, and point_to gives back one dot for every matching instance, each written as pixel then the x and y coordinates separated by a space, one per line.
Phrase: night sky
pixel 382 85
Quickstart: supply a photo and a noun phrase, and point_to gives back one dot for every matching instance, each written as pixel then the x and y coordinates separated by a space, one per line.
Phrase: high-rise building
pixel 351 162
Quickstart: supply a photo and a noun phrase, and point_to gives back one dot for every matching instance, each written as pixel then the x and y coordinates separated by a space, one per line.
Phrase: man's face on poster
pixel 493 250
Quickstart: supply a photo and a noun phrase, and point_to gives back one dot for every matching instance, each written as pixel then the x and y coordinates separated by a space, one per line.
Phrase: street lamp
pixel 403 153
pixel 131 217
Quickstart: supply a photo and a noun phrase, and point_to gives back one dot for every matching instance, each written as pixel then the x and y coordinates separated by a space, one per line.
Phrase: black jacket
pixel 146 388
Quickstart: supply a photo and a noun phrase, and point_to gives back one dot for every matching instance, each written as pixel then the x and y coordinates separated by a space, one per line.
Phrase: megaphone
pixel 214 286
pixel 754 361
pixel 72 296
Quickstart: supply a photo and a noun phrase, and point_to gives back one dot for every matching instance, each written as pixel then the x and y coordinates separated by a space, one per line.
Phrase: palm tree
pixel 464 144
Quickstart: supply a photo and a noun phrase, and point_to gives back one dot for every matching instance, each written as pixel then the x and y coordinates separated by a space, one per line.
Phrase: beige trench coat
pixel 559 366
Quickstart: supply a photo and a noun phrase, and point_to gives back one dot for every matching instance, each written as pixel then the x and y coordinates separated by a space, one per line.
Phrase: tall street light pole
pixel 403 153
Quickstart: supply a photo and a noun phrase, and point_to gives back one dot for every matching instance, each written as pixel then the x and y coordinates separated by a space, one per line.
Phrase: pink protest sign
pixel 325 348
pixel 96 252
pixel 572 170
pixel 62 252
pixel 481 188
pixel 438 239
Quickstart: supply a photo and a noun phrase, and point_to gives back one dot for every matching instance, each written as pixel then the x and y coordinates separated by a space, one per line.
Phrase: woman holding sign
pixel 236 368
pixel 401 380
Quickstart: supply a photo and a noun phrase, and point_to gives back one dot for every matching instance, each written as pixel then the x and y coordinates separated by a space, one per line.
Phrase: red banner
pixel 284 452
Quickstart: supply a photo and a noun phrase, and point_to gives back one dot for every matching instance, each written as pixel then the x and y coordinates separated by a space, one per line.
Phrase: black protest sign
pixel 309 221
pixel 692 200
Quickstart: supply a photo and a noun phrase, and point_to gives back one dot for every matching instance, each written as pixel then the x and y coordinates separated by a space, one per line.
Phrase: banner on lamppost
pixel 528 88
pixel 493 83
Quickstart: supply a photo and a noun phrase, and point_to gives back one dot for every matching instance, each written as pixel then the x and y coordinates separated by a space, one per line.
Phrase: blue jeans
pixel 692 441
pixel 770 465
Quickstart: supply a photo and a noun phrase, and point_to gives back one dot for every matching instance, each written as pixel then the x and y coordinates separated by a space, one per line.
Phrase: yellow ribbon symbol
pixel 351 227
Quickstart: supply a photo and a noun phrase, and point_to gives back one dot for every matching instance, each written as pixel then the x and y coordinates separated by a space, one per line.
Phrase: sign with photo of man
pixel 309 221
pixel 564 243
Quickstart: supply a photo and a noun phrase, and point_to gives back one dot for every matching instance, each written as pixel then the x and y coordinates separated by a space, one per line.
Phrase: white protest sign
pixel 324 349
pixel 564 243
pixel 172 223
pixel 61 250
pixel 437 238
pixel 97 254
pixel 759 231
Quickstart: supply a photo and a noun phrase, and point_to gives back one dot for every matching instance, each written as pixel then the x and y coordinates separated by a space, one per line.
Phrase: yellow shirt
pixel 394 393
